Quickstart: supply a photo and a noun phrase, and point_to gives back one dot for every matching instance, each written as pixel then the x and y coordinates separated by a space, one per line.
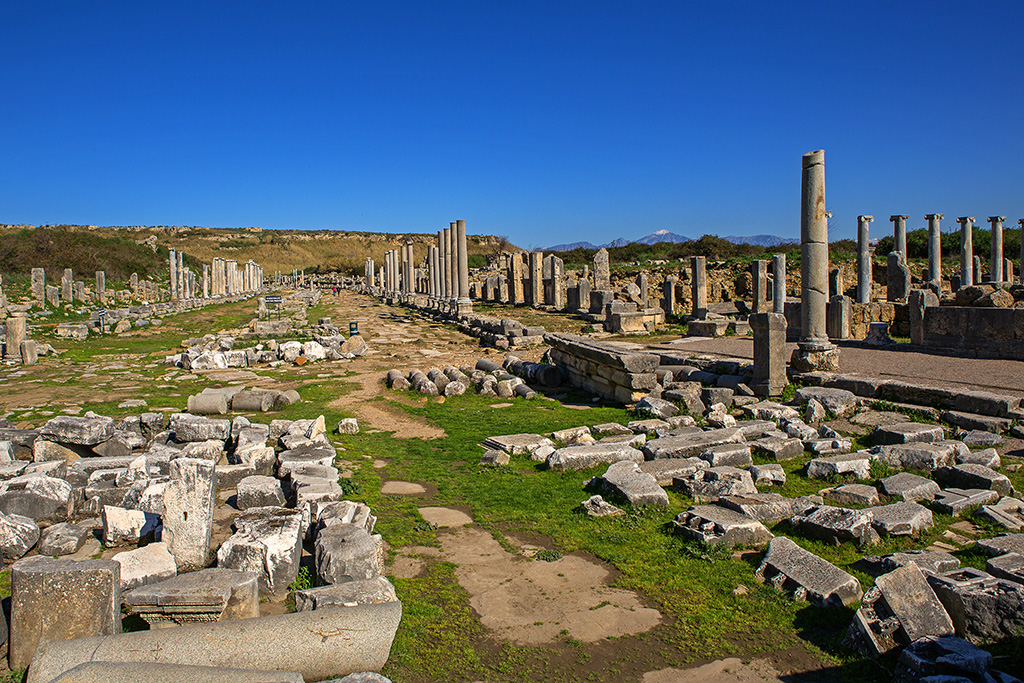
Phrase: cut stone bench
pixel 215 594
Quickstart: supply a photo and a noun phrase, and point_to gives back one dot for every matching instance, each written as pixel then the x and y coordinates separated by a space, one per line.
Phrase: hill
pixel 669 237
pixel 105 248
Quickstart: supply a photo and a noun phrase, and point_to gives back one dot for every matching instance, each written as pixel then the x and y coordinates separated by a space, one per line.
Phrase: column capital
pixel 965 219
pixel 996 219
pixel 1020 221
pixel 934 216
pixel 898 217
pixel 866 219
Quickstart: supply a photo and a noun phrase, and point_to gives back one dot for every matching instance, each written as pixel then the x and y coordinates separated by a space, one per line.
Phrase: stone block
pixel 121 526
pixel 837 525
pixel 149 564
pixel 626 479
pixel 707 486
pixel 39 497
pixel 778 448
pixel 63 539
pixel 907 486
pixel 517 444
pixel 268 543
pixel 852 494
pixel 907 432
pixel 18 535
pixel 587 455
pixel 970 476
pixel 721 526
pixel 349 594
pixel 1000 545
pixel 188 512
pixel 984 609
pixel 59 599
pixel 838 402
pixel 215 594
pixel 904 518
pixel 346 552
pixel 858 464
pixel 768 475
pixel 806 576
pixel 689 445
pixel 768 507
pixel 916 456
pixel 259 491
pixel 80 430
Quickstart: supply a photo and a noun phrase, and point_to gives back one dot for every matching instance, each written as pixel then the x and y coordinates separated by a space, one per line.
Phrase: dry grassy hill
pixel 278 250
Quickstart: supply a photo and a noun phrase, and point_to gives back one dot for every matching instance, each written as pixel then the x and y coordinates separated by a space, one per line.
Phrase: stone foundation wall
pixel 602 368
pixel 993 330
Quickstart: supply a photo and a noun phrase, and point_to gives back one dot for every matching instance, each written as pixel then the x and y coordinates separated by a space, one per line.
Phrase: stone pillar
pixel 462 263
pixel 101 285
pixel 863 260
pixel 1008 270
pixel 583 289
pixel 899 233
pixel 641 283
pixel 769 353
pixel 174 275
pixel 815 352
pixel 699 286
pixel 935 251
pixel 557 283
pixel 17 326
pixel 515 276
pixel 39 284
pixel 536 278
pixel 759 288
pixel 838 317
pixel 451 271
pixel 602 270
pixel 779 283
pixel 206 281
pixel 836 286
pixel 977 268
pixel 181 274
pixel 1020 222
pixel 668 302
pixel 918 301
pixel 897 276
pixel 997 247
pixel 66 284
pixel 966 250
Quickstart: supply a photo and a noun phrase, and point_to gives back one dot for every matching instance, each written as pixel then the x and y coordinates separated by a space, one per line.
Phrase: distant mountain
pixel 661 236
pixel 668 236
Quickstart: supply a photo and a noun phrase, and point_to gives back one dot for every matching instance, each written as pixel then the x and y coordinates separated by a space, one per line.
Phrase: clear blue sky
pixel 543 121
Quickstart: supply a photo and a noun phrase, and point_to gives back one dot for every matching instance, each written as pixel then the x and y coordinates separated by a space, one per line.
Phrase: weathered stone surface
pixel 836 525
pixel 259 491
pixel 658 407
pixel 1006 512
pixel 247 643
pixel 770 410
pixel 719 525
pixel 1009 567
pixel 63 539
pixel 707 486
pixel 806 576
pixel 954 501
pixel 838 402
pixel 651 426
pixel 588 455
pixel 666 469
pixel 907 432
pixel 904 518
pixel 988 457
pixel 898 610
pixel 944 660
pixel 768 507
pixel 907 486
pixel 345 512
pixel 768 475
pixel 73 429
pixel 852 494
pixel 970 476
pixel 268 543
pixel 495 458
pixel 57 599
pixel 215 594
pixel 858 464
pixel 688 445
pixel 129 672
pixel 121 526
pixel 188 512
pixel 37 496
pixel 984 609
pixel 596 506
pixel 1000 545
pixel 346 552
pixel 625 479
pixel 916 456
pixel 928 561
pixel 730 454
pixel 189 428
pixel 149 564
pixel 517 444
pixel 18 535
pixel 778 448
pixel 348 594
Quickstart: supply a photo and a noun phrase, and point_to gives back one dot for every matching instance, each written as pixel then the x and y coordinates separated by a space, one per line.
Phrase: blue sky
pixel 546 121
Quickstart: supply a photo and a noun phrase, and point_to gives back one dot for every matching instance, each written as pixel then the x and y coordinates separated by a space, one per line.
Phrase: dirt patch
pixel 730 670
pixel 533 602
pixel 403 488
pixel 445 517
pixel 381 415
pixel 411 562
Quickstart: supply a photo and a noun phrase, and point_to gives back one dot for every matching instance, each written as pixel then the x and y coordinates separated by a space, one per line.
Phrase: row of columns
pixel 222 277
pixel 447 269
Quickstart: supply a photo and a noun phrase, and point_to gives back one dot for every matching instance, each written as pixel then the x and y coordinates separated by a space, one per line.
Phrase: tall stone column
pixel 997 247
pixel 432 271
pixel 206 281
pixel 769 353
pixel 451 272
pixel 814 352
pixel 779 283
pixel 863 260
pixel 174 274
pixel 1020 222
pixel 181 274
pixel 759 280
pixel 17 325
pixel 935 251
pixel 966 250
pixel 899 233
pixel 101 284
pixel 536 278
pixel 67 281
pixel 515 278
pixel 464 304
pixel 699 286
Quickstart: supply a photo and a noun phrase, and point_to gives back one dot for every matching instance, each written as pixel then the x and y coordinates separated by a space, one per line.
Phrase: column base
pixel 766 387
pixel 463 307
pixel 815 356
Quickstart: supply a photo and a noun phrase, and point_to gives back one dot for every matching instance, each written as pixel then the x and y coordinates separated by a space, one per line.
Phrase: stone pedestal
pixel 17 325
pixel 918 300
pixel 769 353
pixel 838 317
pixel 669 297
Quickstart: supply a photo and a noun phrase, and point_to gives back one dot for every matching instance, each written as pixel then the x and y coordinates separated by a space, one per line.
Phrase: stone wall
pixel 604 368
pixel 991 330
